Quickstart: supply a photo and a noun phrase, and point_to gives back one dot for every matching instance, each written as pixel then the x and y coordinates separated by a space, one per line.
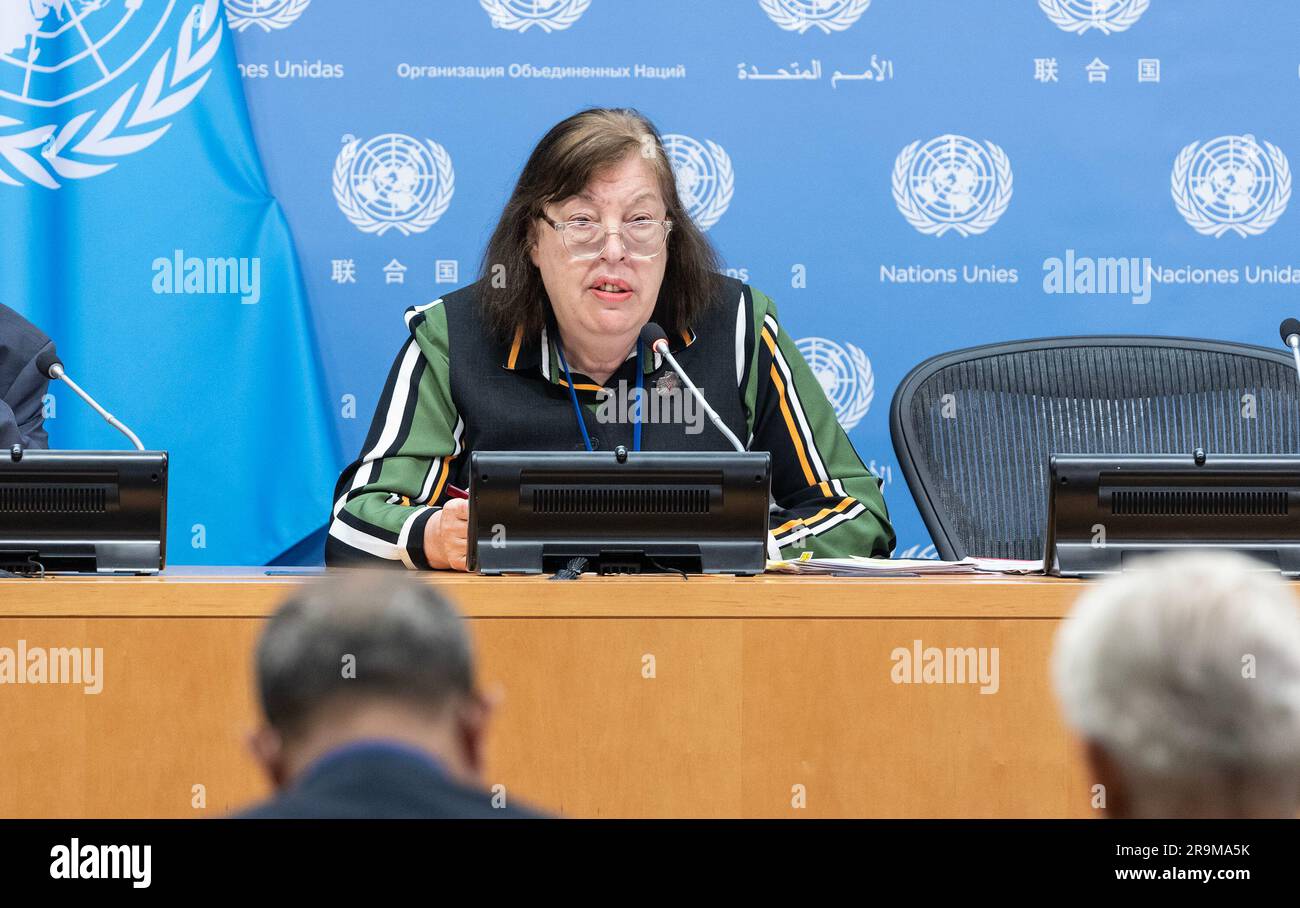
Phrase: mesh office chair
pixel 973 428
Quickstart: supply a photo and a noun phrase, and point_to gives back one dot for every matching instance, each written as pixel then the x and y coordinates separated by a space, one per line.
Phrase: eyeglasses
pixel 642 239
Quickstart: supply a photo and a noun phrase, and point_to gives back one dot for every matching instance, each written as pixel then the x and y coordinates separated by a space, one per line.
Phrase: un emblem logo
pixel 844 372
pixel 827 15
pixel 521 15
pixel 1232 183
pixel 952 183
pixel 393 182
pixel 1106 16
pixel 705 180
pixel 56 51
pixel 265 14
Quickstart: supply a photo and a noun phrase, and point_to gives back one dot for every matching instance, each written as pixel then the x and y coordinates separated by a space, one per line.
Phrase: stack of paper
pixel 857 566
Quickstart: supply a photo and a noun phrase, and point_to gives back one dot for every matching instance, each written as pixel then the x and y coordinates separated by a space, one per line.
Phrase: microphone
pixel 1290 331
pixel 48 362
pixel 655 338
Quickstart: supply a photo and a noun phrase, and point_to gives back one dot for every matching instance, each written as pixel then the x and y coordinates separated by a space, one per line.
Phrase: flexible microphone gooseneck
pixel 1290 332
pixel 654 337
pixel 50 365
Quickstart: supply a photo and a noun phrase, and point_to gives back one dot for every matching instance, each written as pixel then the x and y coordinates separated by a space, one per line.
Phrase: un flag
pixel 140 234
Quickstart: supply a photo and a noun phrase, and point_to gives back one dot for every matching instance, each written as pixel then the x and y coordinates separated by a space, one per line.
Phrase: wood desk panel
pixel 760 685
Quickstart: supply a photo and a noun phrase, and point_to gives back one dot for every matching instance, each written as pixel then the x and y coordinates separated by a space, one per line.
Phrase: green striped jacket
pixel 452 390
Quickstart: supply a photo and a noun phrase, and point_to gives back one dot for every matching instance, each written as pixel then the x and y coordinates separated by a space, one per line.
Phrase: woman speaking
pixel 542 351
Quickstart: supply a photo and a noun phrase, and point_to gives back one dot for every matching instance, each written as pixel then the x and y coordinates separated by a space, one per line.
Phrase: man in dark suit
pixel 367 685
pixel 22 386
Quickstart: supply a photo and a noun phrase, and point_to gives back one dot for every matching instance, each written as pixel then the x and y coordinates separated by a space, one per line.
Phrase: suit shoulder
pixel 720 315
pixel 760 300
pixel 19 338
pixel 429 320
pixel 733 292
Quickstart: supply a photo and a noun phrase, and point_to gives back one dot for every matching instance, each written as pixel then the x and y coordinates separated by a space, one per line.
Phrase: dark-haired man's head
pixel 374 656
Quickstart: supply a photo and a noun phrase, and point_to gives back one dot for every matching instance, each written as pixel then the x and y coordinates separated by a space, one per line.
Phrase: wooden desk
pixel 760 685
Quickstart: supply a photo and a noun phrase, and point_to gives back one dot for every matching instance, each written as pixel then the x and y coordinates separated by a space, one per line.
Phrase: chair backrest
pixel 973 428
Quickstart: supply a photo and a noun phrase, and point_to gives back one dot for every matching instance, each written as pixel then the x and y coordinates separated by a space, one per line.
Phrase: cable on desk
pixel 668 570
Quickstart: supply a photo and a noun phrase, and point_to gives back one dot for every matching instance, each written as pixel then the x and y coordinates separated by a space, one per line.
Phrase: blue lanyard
pixel 577 410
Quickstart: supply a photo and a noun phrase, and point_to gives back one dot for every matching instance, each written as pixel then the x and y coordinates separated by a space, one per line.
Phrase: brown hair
pixel 511 294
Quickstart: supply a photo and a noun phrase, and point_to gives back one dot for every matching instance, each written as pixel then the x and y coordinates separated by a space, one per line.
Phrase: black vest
pixel 520 410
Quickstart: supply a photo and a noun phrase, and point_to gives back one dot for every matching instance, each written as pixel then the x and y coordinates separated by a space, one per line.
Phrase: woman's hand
pixel 446 536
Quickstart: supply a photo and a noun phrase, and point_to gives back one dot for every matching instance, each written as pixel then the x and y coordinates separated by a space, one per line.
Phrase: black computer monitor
pixel 83 511
pixel 646 512
pixel 1104 512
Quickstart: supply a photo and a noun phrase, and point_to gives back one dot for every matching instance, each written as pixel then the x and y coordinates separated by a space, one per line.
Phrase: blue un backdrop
pixel 903 176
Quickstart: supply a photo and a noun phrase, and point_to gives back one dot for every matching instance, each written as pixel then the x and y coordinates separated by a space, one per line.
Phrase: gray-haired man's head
pixel 371 655
pixel 1183 680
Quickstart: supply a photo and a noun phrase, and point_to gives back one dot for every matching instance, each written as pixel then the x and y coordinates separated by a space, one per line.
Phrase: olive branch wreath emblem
pixel 175 80
pixel 982 220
